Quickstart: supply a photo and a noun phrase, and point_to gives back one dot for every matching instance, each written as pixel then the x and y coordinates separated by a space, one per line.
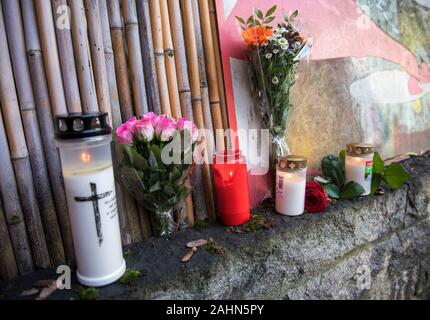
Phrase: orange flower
pixel 256 36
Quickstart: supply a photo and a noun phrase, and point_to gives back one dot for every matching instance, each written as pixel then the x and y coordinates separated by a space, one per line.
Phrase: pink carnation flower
pixel 185 124
pixel 144 129
pixel 166 128
pixel 124 134
pixel 151 116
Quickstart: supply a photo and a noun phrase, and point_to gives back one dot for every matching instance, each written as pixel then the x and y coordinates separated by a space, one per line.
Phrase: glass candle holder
pixel 291 185
pixel 84 142
pixel 359 165
pixel 231 187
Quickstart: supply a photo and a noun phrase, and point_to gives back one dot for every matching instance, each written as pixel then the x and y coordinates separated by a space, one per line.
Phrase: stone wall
pixel 370 248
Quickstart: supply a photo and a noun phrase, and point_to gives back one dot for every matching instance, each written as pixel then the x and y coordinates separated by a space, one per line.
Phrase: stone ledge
pixel 312 256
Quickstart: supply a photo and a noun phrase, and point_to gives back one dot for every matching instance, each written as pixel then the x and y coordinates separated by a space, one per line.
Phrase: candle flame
pixel 231 174
pixel 357 159
pixel 85 157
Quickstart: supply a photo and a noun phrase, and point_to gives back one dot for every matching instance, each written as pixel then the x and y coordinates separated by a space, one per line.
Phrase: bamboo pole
pixel 157 36
pixel 190 41
pixel 126 102
pixel 19 153
pixel 219 71
pixel 203 79
pixel 110 64
pixel 66 55
pixel 135 56
pixel 149 68
pixel 8 267
pixel 84 65
pixel 121 67
pixel 183 84
pixel 44 114
pixel 98 56
pixel 12 207
pixel 180 58
pixel 27 105
pixel 211 74
pixel 199 193
pixel 50 55
pixel 138 82
pixel 169 59
pixel 116 114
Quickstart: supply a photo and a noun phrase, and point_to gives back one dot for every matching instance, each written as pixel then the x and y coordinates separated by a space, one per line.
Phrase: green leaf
pixel 271 11
pixel 155 187
pixel 170 190
pixel 250 20
pixel 269 20
pixel 175 175
pixel 342 155
pixel 376 182
pixel 294 15
pixel 153 160
pixel 240 20
pixel 333 170
pixel 259 13
pixel 395 175
pixel 378 164
pixel 321 180
pixel 182 193
pixel 332 190
pixel 136 160
pixel 352 190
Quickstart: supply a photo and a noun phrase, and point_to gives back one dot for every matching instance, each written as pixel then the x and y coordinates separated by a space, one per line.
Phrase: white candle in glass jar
pixel 291 186
pixel 85 149
pixel 97 237
pixel 359 165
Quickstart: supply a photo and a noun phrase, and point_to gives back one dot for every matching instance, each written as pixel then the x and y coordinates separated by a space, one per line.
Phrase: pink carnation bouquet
pixel 157 159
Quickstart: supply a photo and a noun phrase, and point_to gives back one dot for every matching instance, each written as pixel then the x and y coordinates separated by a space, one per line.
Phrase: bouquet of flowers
pixel 157 159
pixel 274 53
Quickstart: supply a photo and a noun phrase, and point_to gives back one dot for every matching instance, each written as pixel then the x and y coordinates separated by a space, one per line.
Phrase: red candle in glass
pixel 231 187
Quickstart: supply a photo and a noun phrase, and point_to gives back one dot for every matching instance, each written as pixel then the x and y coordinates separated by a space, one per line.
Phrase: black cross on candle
pixel 95 199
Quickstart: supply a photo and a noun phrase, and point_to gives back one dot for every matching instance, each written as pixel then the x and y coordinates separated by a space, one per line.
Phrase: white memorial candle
pixel 90 190
pixel 359 165
pixel 291 186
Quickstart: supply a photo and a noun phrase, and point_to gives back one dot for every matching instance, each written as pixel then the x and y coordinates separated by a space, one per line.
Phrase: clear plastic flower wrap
pixel 274 53
pixel 157 157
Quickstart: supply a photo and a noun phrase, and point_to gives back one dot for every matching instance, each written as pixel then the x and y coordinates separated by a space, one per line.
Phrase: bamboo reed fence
pixel 124 57
pixel 29 120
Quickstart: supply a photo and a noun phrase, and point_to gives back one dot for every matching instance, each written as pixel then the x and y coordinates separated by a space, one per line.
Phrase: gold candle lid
pixel 292 163
pixel 356 149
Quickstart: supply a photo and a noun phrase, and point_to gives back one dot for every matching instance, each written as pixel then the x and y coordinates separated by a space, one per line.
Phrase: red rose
pixel 315 197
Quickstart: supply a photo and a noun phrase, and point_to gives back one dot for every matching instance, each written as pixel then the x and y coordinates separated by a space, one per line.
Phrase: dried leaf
pixel 46 292
pixel 43 283
pixel 197 243
pixel 29 292
pixel 189 255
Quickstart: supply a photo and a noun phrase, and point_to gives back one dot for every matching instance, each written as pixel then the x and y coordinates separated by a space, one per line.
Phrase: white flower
pixel 297 45
pixel 282 30
pixel 283 42
pixel 268 55
pixel 275 51
pixel 285 47
pixel 275 80
pixel 278 35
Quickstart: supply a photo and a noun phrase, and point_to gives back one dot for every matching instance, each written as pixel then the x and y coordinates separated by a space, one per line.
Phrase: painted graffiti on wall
pixel 368 78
